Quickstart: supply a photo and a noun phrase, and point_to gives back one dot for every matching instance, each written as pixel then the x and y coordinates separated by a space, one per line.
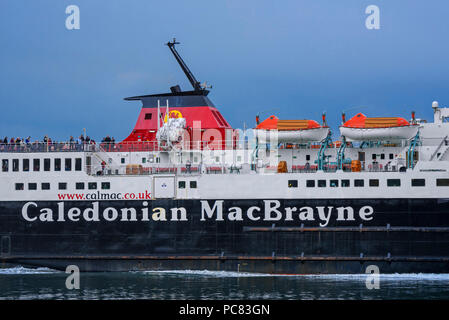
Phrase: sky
pixel 292 58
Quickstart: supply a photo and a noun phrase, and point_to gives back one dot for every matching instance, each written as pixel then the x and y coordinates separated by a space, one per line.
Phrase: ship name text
pixel 271 210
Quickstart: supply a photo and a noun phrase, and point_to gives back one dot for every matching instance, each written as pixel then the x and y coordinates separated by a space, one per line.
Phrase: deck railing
pixel 43 147
pixel 142 146
pixel 135 146
pixel 196 169
pixel 140 170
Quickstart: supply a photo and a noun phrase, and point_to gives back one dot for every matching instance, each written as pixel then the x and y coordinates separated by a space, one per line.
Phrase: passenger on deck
pixel 107 142
pixel 81 138
pixel 4 146
pixel 188 166
pixel 72 143
pixel 307 167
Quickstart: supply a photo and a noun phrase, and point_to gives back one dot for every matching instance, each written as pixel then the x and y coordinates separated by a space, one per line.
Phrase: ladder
pixel 438 149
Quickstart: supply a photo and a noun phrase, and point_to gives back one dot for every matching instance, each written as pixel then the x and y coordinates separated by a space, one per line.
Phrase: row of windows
pixel 361 183
pixel 63 186
pixel 374 156
pixel 182 184
pixel 382 156
pixel 35 164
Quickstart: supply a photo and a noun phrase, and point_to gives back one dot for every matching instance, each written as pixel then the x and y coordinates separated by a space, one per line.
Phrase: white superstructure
pixel 416 167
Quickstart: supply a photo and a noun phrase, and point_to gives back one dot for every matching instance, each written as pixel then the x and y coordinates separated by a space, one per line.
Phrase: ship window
pixel 45 186
pixel 144 160
pixel 359 183
pixel 68 164
pixel 382 156
pixel 307 157
pixel 217 159
pixel 19 186
pixel 32 186
pixel 345 183
pixel 181 184
pixel 46 164
pixel 321 183
pixel 310 183
pixel 57 164
pixel 391 156
pixel 26 164
pixel 5 165
pixel 193 184
pixel 333 183
pixel 15 164
pixel 122 160
pixel 394 182
pixel 373 182
pixel 442 182
pixel 36 164
pixel 293 183
pixel 106 185
pixel 418 182
pixel 148 116
pixel 62 186
pixel 158 160
pixel 374 156
pixel 77 164
pixel 79 186
pixel 92 185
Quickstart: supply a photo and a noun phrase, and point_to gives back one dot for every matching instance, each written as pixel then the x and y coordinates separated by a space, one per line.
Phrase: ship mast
pixel 195 84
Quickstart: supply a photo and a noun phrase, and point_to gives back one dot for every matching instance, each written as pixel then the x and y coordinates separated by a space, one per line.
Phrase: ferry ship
pixel 187 191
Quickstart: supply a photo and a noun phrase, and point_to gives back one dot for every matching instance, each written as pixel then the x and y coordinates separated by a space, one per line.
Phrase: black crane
pixel 195 97
pixel 197 87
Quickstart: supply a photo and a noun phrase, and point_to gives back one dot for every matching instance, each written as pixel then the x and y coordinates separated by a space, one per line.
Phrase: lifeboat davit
pixel 362 128
pixel 290 131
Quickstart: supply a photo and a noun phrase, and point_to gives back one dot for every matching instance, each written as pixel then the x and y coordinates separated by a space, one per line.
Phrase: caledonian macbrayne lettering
pixel 210 210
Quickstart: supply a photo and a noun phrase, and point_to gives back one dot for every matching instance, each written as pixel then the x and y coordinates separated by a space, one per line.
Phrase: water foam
pixel 349 277
pixel 392 276
pixel 24 270
pixel 209 273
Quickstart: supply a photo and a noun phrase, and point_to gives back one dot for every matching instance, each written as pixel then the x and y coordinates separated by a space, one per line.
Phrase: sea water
pixel 42 283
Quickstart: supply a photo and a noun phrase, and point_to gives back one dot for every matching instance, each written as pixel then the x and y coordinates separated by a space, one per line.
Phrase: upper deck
pixel 55 171
pixel 145 158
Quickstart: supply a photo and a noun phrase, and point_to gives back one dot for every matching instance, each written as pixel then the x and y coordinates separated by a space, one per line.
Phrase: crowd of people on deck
pixel 48 144
pixel 109 143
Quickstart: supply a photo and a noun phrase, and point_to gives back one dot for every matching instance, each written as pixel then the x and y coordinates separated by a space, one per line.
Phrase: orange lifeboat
pixel 360 127
pixel 290 131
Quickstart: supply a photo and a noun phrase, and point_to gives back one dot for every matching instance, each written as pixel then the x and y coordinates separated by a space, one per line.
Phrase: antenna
pixel 195 84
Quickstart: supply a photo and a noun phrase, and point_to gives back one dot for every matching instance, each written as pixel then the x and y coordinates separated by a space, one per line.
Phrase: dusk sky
pixel 295 59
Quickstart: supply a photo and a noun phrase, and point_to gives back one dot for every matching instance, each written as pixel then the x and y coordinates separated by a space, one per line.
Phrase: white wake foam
pixel 24 270
pixel 393 276
pixel 209 273
pixel 225 274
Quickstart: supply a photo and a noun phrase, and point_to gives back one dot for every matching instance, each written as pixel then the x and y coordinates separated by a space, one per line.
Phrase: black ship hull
pixel 284 236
